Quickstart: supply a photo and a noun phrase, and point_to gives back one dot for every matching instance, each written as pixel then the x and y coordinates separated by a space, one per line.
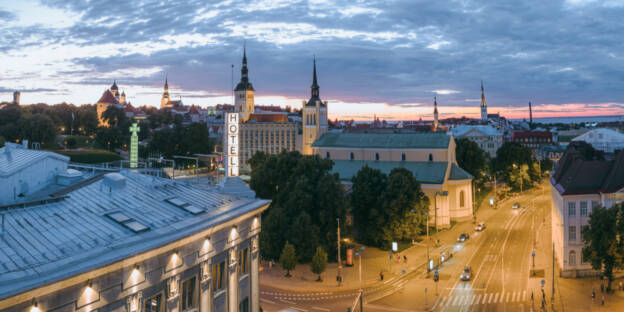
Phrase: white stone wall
pixel 37 176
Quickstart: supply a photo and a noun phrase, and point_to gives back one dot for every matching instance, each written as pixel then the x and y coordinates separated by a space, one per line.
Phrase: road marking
pixel 507 297
pixel 441 301
pixel 388 281
pixel 298 309
pixel 267 301
pixel 473 299
pixel 320 309
pixel 491 297
pixel 496 298
pixel 515 296
pixel 455 301
pixel 524 295
pixel 286 301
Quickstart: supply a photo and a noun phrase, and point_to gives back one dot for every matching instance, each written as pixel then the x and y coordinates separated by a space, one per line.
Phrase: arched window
pixel 403 157
pixel 430 157
pixel 351 156
pixel 462 199
pixel 376 156
pixel 572 258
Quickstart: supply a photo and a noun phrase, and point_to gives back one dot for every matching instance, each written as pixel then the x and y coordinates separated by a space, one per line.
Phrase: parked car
pixel 515 206
pixel 465 274
pixel 480 227
pixel 463 237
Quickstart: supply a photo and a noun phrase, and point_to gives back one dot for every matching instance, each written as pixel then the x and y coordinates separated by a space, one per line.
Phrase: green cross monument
pixel 134 145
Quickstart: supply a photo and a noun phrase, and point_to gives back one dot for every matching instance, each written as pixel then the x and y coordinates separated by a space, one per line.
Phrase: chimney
pixel 25 144
pixel 16 97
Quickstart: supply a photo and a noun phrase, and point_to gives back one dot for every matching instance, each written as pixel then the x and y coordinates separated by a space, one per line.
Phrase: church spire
pixel 244 70
pixel 483 104
pixel 435 114
pixel 315 87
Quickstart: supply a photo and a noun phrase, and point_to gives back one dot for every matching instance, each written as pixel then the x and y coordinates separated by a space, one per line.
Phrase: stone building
pixel 124 241
pixel 166 101
pixel 582 180
pixel 487 137
pixel 429 156
pixel 314 117
pixel 110 97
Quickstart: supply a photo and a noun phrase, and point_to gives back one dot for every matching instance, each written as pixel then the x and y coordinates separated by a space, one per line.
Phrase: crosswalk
pixel 482 299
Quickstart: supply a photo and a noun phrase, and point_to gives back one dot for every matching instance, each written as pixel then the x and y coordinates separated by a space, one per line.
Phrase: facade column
pixel 232 281
pixel 255 281
pixel 205 294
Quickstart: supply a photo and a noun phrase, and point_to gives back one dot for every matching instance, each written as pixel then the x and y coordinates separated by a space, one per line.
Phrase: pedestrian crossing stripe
pixel 507 298
pixel 478 299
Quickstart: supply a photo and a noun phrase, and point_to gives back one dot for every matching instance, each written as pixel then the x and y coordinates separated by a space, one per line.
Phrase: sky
pixel 381 57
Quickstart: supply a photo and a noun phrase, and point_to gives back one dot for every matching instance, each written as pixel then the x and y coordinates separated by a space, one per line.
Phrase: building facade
pixel 487 137
pixel 110 97
pixel 314 117
pixel 244 92
pixel 129 242
pixel 582 180
pixel 532 139
pixel 429 156
pixel 603 139
pixel 165 101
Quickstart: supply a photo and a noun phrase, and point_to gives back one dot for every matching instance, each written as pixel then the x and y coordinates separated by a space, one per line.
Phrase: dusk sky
pixel 384 57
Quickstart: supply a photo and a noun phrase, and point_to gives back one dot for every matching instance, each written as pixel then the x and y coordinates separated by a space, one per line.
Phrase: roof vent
pixel 69 177
pixel 114 180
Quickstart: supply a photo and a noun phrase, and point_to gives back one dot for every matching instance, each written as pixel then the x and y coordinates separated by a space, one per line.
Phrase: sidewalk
pixel 373 261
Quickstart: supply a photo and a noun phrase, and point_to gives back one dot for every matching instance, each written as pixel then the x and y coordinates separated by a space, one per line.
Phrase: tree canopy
pixel 471 157
pixel 391 208
pixel 306 201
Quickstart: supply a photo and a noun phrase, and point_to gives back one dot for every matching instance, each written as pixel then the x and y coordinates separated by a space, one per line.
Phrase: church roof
pixel 426 172
pixel 114 86
pixel 457 173
pixel 384 140
pixel 268 118
pixel 244 86
pixel 108 98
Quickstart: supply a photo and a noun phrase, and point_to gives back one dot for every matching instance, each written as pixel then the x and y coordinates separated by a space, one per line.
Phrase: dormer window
pixel 376 156
pixel 351 156
pixel 403 157
pixel 430 157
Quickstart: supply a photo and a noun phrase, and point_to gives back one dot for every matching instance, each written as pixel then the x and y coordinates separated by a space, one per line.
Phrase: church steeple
pixel 435 114
pixel 314 89
pixel 244 83
pixel 484 117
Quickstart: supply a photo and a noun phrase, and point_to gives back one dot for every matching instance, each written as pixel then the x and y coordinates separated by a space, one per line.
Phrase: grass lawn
pixel 90 157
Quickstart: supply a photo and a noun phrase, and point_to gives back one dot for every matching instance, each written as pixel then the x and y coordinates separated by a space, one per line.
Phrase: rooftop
pixel 426 172
pixel 13 158
pixel 384 140
pixel 462 130
pixel 103 220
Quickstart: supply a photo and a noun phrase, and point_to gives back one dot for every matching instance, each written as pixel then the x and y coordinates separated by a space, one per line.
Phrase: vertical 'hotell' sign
pixel 232 144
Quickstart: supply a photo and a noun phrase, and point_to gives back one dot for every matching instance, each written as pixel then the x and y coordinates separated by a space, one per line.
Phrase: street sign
pixel 491 201
pixel 543 282
pixel 395 246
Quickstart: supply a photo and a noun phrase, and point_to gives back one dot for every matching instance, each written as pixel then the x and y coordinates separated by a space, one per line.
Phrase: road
pixel 500 261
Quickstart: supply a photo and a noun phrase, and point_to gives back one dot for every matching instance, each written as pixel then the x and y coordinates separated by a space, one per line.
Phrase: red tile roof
pixel 108 98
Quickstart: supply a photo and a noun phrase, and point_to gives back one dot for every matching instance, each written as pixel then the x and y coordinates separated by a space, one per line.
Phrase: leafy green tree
pixel 87 119
pixel 519 177
pixel 115 116
pixel 110 138
pixel 288 259
pixel 602 248
pixel 366 203
pixel 471 158
pixel 319 262
pixel 39 128
pixel 546 164
pixel 534 172
pixel 1 141
pixel 511 153
pixel 306 201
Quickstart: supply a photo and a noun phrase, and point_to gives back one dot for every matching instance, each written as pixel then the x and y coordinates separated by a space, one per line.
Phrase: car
pixel 463 237
pixel 480 227
pixel 515 206
pixel 465 274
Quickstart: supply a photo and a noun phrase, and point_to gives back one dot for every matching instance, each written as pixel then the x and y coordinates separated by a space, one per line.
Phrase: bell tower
pixel 314 116
pixel 244 92
pixel 164 101
pixel 483 104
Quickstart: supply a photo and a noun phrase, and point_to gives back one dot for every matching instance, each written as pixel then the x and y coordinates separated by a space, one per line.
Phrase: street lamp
pixel 435 205
pixel 359 254
pixel 339 277
pixel 427 227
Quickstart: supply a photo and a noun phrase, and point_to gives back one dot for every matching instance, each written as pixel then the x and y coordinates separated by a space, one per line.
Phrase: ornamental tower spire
pixel 244 92
pixel 483 105
pixel 435 114
pixel 314 89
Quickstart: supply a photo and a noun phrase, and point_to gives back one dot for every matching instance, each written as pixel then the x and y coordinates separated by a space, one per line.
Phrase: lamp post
pixel 339 277
pixel 435 205
pixel 427 229
pixel 359 254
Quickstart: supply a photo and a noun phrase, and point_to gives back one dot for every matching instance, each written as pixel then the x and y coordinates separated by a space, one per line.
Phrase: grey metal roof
pixel 462 130
pixel 13 158
pixel 95 226
pixel 427 172
pixel 384 140
pixel 457 173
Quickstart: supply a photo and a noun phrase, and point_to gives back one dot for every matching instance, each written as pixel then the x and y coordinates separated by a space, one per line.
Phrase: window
pixel 243 261
pixel 572 258
pixel 243 306
pixel 571 209
pixel 376 156
pixel 461 199
pixel 327 155
pixel 351 156
pixel 572 232
pixel 403 157
pixel 430 157
pixel 188 293
pixel 154 304
pixel 583 209
pixel 218 276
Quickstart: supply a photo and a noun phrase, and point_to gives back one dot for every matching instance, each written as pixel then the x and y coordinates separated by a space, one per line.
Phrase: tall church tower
pixel 314 116
pixel 435 114
pixel 244 92
pixel 164 101
pixel 483 105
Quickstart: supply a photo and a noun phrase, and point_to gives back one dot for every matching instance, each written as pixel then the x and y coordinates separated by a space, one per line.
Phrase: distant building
pixel 484 114
pixel 266 130
pixel 487 137
pixel 110 97
pixel 582 180
pixel 16 97
pixel 552 152
pixel 314 117
pixel 603 139
pixel 429 156
pixel 166 101
pixel 532 139
pixel 124 241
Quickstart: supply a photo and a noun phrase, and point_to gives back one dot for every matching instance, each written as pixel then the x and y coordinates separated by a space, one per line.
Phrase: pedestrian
pixel 398 259
pixel 593 294
pixel 601 288
pixel 381 275
pixel 405 261
pixel 602 300
pixel 621 287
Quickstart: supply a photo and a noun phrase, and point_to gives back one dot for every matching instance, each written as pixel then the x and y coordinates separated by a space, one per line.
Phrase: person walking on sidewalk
pixel 593 294
pixel 621 287
pixel 405 261
pixel 381 275
pixel 602 300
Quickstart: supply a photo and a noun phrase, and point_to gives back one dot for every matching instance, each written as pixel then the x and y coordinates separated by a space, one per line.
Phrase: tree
pixel 519 176
pixel 319 262
pixel 601 240
pixel 366 206
pixel 471 158
pixel 511 153
pixel 546 164
pixel 1 141
pixel 39 128
pixel 288 259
